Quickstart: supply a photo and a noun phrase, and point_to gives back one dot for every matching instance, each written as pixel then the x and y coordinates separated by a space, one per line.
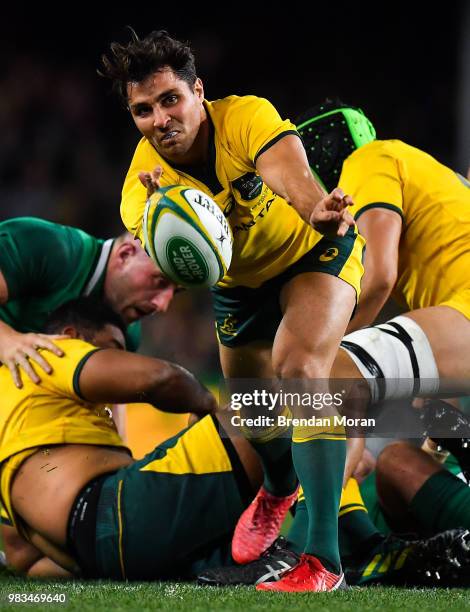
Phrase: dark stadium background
pixel 65 142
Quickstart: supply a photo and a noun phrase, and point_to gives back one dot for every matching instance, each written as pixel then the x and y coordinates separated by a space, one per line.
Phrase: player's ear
pixel 70 330
pixel 199 89
pixel 126 250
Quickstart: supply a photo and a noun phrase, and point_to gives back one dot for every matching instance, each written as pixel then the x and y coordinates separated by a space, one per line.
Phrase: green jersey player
pixel 43 265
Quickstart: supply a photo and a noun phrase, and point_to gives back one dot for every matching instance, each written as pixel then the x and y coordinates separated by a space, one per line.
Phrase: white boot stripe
pixel 272 573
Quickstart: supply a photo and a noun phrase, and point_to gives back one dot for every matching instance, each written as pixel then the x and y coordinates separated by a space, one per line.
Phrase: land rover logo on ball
pixel 187 261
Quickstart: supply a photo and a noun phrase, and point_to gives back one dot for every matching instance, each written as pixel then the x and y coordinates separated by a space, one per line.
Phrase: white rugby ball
pixel 188 236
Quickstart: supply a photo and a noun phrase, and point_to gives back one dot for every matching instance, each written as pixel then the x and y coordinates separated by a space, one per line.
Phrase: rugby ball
pixel 187 235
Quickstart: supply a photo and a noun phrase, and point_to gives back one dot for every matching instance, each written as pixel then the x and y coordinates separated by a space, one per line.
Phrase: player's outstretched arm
pixel 284 168
pixel 16 349
pixel 114 376
pixel 381 228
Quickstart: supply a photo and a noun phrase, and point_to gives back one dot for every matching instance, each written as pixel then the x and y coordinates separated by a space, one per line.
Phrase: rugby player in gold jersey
pixel 65 473
pixel 415 214
pixel 282 276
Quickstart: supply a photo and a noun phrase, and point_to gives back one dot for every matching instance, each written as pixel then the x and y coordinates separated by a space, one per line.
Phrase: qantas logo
pixel 245 227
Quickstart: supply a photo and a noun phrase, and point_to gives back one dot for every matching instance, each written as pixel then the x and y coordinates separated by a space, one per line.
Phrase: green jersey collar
pixel 97 278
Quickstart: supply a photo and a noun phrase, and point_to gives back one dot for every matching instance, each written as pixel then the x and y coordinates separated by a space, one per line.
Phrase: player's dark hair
pixel 87 314
pixel 331 131
pixel 138 59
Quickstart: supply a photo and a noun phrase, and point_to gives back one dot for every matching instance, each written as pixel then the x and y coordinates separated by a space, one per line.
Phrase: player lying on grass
pixel 412 491
pixel 422 490
pixel 418 491
pixel 76 500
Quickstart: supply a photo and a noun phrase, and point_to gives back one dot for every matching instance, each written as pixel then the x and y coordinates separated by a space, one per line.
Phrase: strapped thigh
pixel 396 359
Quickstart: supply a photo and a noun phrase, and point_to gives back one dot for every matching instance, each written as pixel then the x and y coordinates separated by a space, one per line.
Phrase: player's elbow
pixel 20 559
pixel 384 279
pixel 46 568
pixel 174 389
pixel 390 278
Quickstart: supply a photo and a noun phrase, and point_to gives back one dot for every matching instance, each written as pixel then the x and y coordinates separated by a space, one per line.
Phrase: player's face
pixel 168 113
pixel 137 287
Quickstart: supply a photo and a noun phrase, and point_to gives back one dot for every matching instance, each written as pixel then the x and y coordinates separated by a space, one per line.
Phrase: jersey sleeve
pixel 134 194
pixel 65 377
pixel 371 176
pixel 253 126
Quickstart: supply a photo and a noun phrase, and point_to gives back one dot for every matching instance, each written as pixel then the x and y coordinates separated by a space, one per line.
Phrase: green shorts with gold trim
pixel 244 314
pixel 377 514
pixel 172 514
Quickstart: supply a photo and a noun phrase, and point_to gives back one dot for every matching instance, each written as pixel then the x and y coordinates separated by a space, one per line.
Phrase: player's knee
pixel 299 365
pixel 394 459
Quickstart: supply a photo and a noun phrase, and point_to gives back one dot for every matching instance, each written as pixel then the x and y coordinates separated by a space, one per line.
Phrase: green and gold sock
pixel 319 459
pixel 273 445
pixel 297 535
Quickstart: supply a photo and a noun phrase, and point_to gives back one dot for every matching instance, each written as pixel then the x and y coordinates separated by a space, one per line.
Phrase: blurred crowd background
pixel 66 141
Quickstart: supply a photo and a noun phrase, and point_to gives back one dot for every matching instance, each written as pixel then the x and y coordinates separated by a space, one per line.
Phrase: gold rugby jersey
pixel 52 412
pixel 269 234
pixel 434 202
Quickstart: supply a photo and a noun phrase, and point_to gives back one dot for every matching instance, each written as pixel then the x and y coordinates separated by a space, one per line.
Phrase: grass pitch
pixel 103 596
pixel 99 596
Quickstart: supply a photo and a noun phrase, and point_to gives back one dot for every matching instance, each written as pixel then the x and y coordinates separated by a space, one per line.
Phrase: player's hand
pixel 18 350
pixel 365 466
pixel 331 216
pixel 151 180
